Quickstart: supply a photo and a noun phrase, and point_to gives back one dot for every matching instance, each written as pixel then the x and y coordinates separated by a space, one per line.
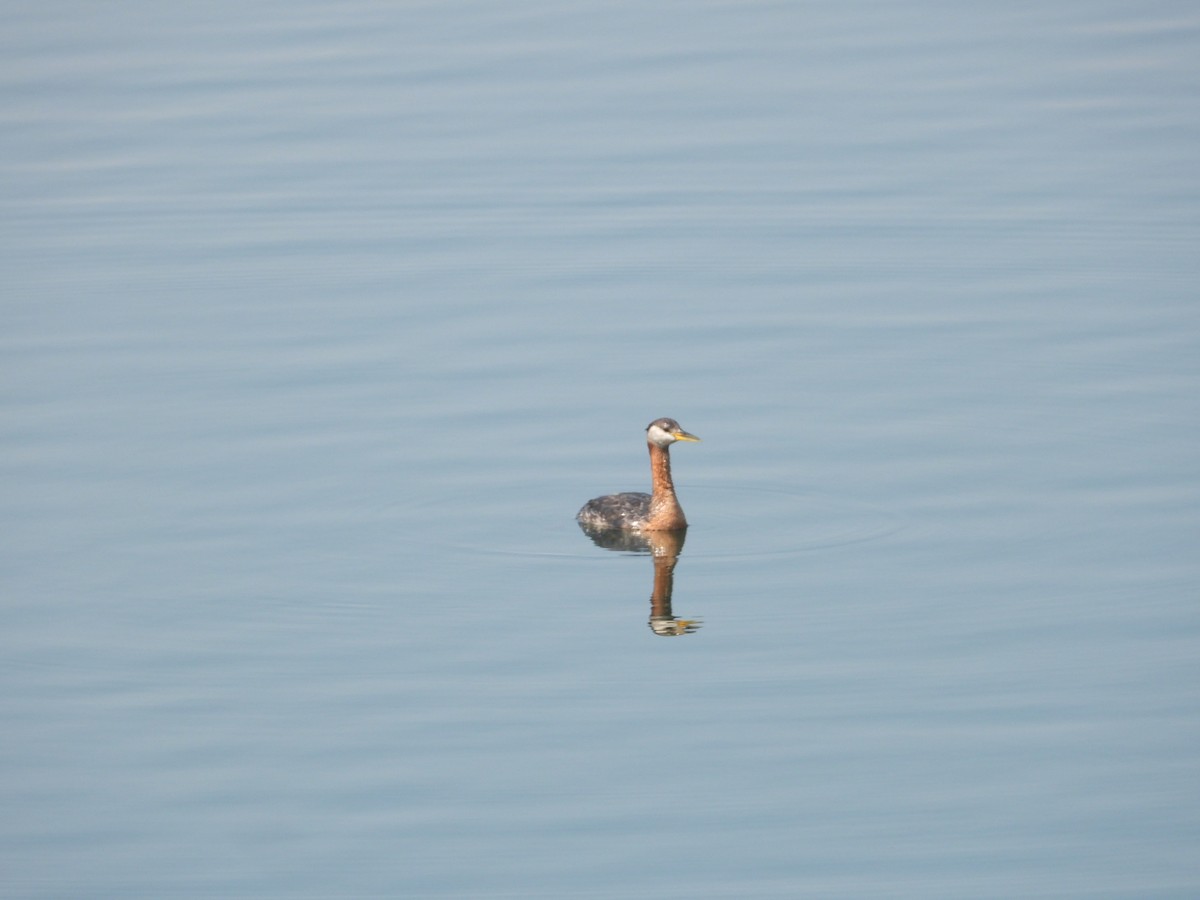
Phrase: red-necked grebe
pixel 657 511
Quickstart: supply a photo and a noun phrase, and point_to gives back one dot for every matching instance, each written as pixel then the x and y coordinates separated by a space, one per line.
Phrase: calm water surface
pixel 321 322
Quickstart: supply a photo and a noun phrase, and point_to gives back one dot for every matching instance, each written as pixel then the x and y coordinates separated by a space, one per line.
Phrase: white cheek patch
pixel 660 437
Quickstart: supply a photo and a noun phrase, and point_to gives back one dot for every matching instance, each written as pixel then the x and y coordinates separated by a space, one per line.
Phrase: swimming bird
pixel 636 511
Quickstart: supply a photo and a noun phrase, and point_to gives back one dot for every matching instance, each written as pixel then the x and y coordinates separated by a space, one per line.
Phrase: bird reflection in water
pixel 664 547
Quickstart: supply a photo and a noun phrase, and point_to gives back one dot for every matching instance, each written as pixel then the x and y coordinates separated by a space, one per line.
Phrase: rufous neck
pixel 665 511
pixel 660 471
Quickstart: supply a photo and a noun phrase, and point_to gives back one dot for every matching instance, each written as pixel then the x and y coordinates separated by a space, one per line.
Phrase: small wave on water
pixel 732 521
pixel 727 522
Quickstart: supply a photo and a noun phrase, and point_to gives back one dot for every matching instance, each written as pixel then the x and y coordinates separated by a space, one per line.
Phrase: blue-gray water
pixel 320 321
